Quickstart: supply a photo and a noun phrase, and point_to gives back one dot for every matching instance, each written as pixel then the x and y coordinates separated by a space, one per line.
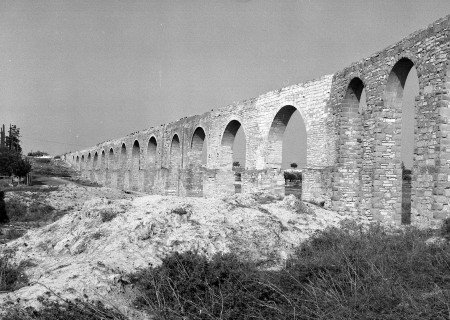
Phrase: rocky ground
pixel 105 234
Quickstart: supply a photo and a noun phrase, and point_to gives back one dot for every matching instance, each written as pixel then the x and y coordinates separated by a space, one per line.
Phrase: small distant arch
pixel 102 161
pixel 123 153
pixel 151 150
pixel 95 160
pixel 110 157
pixel 77 159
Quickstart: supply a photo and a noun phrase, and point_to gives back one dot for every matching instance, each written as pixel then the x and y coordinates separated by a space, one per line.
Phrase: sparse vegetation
pixel 294 165
pixel 3 214
pixel 445 229
pixel 350 273
pixel 108 215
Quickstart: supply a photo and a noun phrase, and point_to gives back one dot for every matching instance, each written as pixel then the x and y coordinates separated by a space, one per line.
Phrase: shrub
pixel 12 276
pixel 65 310
pixel 108 215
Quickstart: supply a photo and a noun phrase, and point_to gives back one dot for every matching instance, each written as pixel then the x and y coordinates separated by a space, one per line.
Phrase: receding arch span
pixel 151 151
pixel 175 152
pixel 228 144
pixel 276 137
pixel 395 101
pixel 198 147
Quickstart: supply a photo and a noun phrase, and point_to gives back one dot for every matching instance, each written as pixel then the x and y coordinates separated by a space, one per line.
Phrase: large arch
pixel 394 101
pixel 274 155
pixel 276 148
pixel 227 144
pixel 95 162
pixel 78 162
pixel 135 165
pixel 199 147
pixel 348 177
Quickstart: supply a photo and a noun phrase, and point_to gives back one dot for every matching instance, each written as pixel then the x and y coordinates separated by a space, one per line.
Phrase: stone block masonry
pixel 353 155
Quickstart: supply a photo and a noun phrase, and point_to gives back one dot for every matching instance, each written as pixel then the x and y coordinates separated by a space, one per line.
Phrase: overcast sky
pixel 75 73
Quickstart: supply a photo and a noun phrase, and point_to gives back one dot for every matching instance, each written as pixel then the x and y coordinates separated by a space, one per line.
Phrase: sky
pixel 76 73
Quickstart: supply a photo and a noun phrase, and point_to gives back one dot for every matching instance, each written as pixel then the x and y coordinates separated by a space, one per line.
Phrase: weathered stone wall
pixel 353 155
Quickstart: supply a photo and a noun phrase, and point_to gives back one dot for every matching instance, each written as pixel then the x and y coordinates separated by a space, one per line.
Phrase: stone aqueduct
pixel 353 155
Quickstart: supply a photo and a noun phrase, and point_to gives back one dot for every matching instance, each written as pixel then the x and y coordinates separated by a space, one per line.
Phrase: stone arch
pixel 348 175
pixel 89 163
pixel 175 163
pixel 227 141
pixel 102 160
pixel 111 175
pixel 276 133
pixel 151 151
pixel 95 162
pixel 175 152
pixel 122 172
pixel 198 147
pixel 393 101
pixel 135 165
pixel 110 164
pixel 123 154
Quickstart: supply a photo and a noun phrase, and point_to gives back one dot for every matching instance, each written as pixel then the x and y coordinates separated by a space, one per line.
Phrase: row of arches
pixel 360 155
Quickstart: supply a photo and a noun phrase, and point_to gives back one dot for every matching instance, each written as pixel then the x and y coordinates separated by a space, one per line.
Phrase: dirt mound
pixel 107 234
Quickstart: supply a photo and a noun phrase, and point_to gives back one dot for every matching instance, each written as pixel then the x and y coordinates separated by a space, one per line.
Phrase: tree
pixel 11 162
pixel 12 140
pixel 236 164
pixel 294 165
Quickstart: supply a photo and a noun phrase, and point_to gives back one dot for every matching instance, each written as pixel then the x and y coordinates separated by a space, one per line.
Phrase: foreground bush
pixel 66 310
pixel 12 276
pixel 348 273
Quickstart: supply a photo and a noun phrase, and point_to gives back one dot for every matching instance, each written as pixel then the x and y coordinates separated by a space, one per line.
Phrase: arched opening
pixel 123 174
pixel 123 154
pixel 175 152
pixel 151 151
pixel 89 163
pixel 196 162
pixel 233 146
pixel 102 160
pixel 234 151
pixel 402 89
pixel 135 165
pixel 110 159
pixel 174 166
pixel 111 178
pixel 286 148
pixel 95 161
pixel 349 182
pixel 198 147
